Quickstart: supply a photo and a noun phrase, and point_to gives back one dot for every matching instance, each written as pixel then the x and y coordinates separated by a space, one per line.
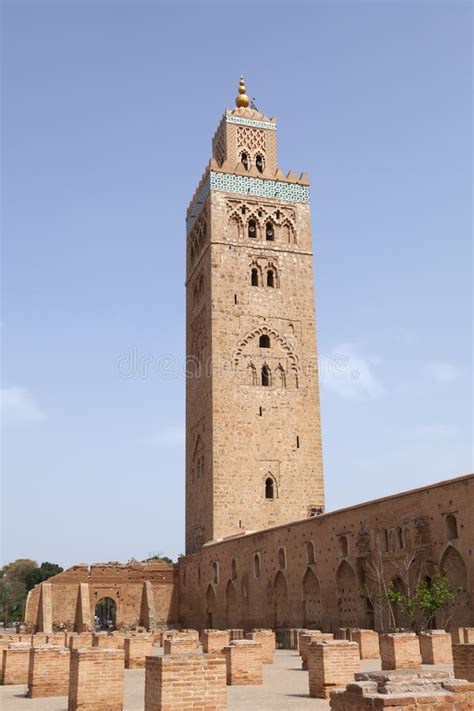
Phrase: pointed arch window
pixel 451 527
pixel 259 162
pixel 254 277
pixel 266 376
pixel 271 278
pixel 244 158
pixel 269 488
pixel 256 564
pixel 234 569
pixel 282 559
pixel 252 228
pixel 269 232
pixel 310 553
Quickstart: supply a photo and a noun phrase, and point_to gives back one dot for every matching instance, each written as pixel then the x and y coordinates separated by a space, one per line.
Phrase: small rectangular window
pixel 297 441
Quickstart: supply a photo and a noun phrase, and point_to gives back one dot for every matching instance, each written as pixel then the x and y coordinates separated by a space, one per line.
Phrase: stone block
pixel 214 641
pixel 96 681
pixel 305 640
pixel 48 671
pixel 136 650
pixel 182 682
pixel 463 661
pixel 179 645
pixel 331 663
pixel 400 650
pixel 15 664
pixel 243 663
pixel 436 647
pixel 368 641
pixel 266 638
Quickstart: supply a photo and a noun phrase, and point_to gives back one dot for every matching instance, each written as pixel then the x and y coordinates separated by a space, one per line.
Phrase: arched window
pixel 215 572
pixel 400 541
pixel 281 377
pixel 343 546
pixel 234 569
pixel 264 341
pixel 252 228
pixel 451 527
pixel 269 488
pixel 309 553
pixel 105 614
pixel 254 278
pixel 259 163
pixel 281 559
pixel 270 278
pixel 266 376
pixel 244 158
pixel 384 540
pixel 256 565
pixel 269 232
pixel 253 373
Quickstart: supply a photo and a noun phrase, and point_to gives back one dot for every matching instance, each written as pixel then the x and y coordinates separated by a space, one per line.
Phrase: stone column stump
pixel 96 680
pixel 48 671
pixel 436 647
pixel 244 663
pixel 214 641
pixel 331 664
pixel 400 650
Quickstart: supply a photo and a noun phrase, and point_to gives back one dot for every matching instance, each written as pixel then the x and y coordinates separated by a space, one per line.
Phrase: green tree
pixel 38 575
pixel 13 587
pixel 430 596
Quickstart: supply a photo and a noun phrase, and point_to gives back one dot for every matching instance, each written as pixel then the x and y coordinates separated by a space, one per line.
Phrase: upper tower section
pixel 245 141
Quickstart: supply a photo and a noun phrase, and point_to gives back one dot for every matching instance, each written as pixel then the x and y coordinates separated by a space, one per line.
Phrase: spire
pixel 242 99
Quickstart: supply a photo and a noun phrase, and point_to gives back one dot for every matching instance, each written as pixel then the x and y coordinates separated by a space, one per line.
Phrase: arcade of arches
pixel 311 573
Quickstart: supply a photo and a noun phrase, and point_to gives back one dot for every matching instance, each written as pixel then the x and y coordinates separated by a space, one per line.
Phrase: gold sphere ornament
pixel 242 100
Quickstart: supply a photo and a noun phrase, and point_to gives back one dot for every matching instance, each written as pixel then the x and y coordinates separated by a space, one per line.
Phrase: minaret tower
pixel 253 436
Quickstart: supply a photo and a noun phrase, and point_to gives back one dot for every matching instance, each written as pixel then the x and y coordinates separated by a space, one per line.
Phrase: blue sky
pixel 108 113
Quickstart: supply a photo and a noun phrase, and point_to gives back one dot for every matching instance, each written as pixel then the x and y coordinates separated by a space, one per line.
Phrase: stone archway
pixel 347 596
pixel 453 564
pixel 105 614
pixel 312 609
pixel 211 607
pixel 280 601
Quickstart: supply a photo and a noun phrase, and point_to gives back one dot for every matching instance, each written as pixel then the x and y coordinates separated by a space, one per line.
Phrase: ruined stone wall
pixel 315 572
pixel 76 591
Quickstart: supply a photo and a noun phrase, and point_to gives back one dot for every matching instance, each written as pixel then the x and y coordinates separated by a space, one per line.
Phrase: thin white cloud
pixel 168 437
pixel 350 374
pixel 443 372
pixel 17 406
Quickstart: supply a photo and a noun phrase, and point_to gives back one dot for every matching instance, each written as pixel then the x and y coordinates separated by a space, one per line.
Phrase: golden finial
pixel 242 100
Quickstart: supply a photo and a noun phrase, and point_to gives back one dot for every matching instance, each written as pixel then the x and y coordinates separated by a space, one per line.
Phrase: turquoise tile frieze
pixel 250 122
pixel 243 185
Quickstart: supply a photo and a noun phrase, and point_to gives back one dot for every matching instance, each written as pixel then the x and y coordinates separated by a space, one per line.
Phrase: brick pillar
pixel 104 640
pixel 195 681
pixel 368 641
pixel 57 638
pixel 331 664
pixel 46 609
pixel 400 650
pixel 179 645
pixel 463 661
pixel 96 681
pixel 436 647
pixel 266 638
pixel 79 641
pixel 48 671
pixel 306 639
pixel 243 663
pixel 83 620
pixel 15 664
pixel 136 649
pixel 148 611
pixel 214 641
